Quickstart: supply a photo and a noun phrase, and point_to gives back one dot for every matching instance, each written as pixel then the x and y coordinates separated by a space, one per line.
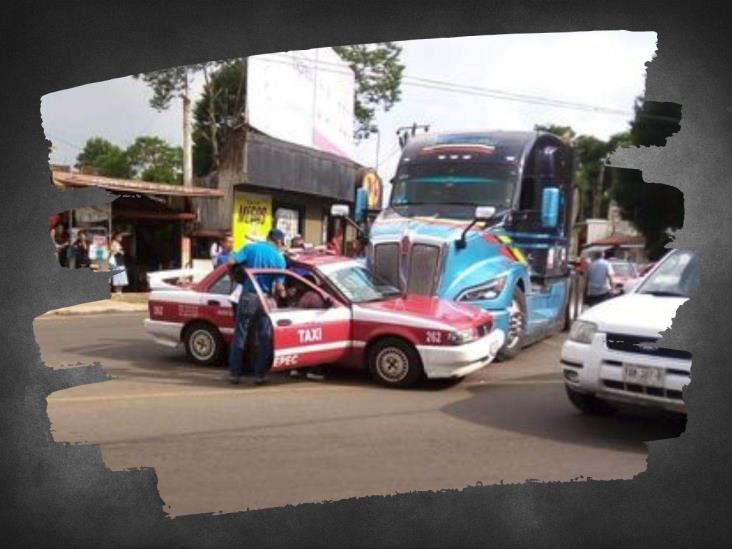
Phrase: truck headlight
pixel 460 337
pixel 582 331
pixel 488 290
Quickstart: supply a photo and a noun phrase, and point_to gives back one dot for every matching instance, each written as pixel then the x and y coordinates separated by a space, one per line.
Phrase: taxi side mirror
pixel 328 301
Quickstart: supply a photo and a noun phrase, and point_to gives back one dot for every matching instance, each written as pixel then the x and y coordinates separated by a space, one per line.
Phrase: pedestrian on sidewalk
pixel 249 311
pixel 78 253
pixel 60 238
pixel 117 263
pixel 227 251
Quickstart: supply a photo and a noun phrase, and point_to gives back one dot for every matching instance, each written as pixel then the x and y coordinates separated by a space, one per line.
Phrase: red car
pixel 337 313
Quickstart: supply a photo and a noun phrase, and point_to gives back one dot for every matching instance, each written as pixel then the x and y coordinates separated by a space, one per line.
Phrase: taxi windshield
pixel 359 285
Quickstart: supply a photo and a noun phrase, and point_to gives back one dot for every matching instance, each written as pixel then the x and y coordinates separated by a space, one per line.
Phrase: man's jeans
pixel 249 315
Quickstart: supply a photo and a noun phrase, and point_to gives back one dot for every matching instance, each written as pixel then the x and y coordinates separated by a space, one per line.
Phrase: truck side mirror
pixel 339 210
pixel 359 214
pixel 550 207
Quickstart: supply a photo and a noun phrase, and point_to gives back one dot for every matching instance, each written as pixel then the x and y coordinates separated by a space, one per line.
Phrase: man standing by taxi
pixel 249 312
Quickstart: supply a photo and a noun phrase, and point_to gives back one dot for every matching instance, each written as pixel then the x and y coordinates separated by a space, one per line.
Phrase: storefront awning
pixel 69 179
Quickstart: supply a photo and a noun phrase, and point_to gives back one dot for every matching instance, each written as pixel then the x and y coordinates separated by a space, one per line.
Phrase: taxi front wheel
pixel 395 363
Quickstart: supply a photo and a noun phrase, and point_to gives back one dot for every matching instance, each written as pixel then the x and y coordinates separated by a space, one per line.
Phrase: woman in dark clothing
pixel 78 252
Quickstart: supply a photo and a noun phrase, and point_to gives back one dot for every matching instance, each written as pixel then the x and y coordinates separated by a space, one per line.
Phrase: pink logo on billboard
pixel 324 144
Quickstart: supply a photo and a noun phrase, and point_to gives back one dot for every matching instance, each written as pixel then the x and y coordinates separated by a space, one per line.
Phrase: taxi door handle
pixel 284 322
pixel 214 302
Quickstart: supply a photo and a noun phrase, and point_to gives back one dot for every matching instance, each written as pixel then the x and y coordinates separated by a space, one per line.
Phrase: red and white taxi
pixel 337 313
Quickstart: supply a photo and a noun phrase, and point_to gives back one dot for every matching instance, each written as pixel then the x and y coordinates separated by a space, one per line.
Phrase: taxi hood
pixel 457 315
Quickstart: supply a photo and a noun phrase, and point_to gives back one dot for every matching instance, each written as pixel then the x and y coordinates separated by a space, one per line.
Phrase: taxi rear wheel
pixel 395 363
pixel 204 344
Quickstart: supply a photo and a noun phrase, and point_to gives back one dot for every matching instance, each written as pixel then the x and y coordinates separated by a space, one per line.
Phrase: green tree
pixel 654 209
pixel 174 83
pixel 104 158
pixel 378 76
pixel 153 159
pixel 218 114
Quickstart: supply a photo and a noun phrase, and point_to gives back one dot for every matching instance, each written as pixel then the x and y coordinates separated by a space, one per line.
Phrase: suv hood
pixel 634 314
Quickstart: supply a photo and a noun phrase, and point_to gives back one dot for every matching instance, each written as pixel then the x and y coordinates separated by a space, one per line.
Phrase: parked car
pixel 611 355
pixel 363 322
pixel 172 279
pixel 621 272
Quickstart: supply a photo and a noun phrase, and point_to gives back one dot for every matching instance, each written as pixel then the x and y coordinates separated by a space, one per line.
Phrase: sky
pixel 600 68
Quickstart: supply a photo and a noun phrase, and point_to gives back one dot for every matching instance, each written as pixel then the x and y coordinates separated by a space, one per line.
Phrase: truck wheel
pixel 516 326
pixel 395 363
pixel 588 404
pixel 204 344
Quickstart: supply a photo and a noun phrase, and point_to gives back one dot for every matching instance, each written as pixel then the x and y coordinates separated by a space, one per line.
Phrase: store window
pixel 288 221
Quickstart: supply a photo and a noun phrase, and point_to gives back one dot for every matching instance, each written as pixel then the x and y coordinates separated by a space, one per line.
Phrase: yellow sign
pixel 372 184
pixel 251 219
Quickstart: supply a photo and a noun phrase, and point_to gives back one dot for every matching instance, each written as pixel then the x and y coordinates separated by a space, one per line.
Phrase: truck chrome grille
pixel 423 264
pixel 386 262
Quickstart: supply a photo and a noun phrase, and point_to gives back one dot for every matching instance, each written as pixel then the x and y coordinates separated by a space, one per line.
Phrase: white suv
pixel 611 355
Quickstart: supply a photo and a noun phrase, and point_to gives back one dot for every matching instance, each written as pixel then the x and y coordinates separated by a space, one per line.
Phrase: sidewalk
pixel 132 302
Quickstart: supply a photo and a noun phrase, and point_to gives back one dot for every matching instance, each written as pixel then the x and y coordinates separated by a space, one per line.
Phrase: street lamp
pixel 378 144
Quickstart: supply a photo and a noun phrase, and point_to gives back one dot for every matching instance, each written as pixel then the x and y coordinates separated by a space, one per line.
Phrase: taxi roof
pixel 315 258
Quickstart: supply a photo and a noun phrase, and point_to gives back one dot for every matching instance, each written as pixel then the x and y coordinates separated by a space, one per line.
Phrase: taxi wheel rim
pixel 202 345
pixel 392 364
pixel 515 324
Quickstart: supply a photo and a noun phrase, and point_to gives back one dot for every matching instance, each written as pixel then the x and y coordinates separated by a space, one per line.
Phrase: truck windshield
pixel 452 189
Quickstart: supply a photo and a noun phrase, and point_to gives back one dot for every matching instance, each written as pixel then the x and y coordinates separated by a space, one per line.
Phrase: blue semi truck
pixel 483 218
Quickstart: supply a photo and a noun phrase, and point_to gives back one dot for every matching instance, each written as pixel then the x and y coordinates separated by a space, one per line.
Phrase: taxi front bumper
pixel 460 360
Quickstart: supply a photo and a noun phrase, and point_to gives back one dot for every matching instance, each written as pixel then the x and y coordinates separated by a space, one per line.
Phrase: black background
pixel 62 495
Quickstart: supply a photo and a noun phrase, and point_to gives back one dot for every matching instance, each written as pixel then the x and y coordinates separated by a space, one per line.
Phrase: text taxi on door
pixel 336 312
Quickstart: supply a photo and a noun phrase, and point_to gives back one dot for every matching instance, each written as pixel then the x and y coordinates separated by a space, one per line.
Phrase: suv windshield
pixel 452 189
pixel 677 275
pixel 359 284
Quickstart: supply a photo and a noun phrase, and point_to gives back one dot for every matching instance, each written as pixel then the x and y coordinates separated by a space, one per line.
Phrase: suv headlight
pixel 582 331
pixel 460 337
pixel 488 290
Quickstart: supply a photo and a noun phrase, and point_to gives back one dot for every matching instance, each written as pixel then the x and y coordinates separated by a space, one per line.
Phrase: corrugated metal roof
pixel 70 179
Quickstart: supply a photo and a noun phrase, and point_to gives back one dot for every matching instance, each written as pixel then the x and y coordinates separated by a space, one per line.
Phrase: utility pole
pixel 187 139
pixel 378 143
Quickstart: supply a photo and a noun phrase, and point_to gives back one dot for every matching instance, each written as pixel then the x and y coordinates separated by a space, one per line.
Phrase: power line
pixel 441 85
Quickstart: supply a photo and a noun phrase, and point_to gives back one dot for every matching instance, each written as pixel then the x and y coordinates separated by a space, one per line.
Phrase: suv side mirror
pixel 550 207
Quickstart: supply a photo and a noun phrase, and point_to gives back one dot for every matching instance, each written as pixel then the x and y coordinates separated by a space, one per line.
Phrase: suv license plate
pixel 644 375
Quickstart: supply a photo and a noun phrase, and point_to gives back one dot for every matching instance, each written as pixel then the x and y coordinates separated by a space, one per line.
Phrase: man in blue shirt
pixel 257 255
pixel 598 280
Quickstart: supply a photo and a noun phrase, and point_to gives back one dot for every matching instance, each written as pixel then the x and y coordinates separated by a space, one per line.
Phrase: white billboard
pixel 304 97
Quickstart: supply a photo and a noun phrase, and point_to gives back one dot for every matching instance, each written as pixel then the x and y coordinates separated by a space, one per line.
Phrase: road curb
pixel 98 308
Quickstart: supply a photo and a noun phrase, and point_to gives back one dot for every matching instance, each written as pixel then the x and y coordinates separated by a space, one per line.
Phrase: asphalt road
pixel 217 447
